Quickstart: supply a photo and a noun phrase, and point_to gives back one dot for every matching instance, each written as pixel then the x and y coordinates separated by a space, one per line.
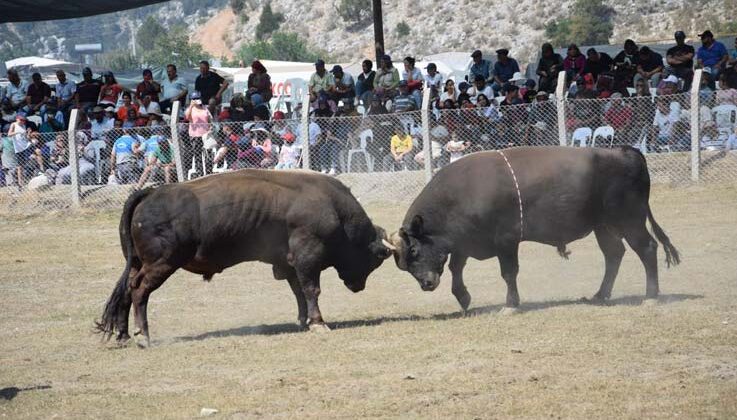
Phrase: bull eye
pixel 413 252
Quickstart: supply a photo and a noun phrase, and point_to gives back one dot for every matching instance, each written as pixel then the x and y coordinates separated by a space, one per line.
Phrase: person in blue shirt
pixel 713 55
pixel 480 67
pixel 504 69
pixel 123 161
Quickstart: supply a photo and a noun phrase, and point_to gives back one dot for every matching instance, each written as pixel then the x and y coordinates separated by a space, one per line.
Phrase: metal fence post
pixel 426 146
pixel 305 131
pixel 561 107
pixel 73 158
pixel 175 140
pixel 695 127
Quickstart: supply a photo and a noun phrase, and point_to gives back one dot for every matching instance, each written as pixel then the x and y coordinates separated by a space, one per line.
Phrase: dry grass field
pixel 394 351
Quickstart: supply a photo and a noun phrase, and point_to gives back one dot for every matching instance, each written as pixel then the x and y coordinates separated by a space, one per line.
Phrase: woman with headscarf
pixel 259 84
pixel 574 62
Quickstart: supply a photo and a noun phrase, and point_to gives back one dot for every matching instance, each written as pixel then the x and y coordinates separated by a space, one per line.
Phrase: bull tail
pixel 114 308
pixel 672 257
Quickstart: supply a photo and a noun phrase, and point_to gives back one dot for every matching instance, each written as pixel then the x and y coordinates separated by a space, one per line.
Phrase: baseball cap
pixel 542 93
pixel 97 109
pixel 680 34
pixel 278 115
pixel 319 63
pixel 336 69
pixel 616 95
pixel 671 79
pixel 431 66
pixel 476 53
pixel 109 109
pixel 195 95
pixel 386 57
pixel 706 33
pixel 288 137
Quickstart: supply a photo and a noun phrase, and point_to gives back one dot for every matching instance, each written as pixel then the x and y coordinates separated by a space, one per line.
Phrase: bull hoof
pixel 319 328
pixel 507 311
pixel 465 301
pixel 650 302
pixel 596 300
pixel 302 322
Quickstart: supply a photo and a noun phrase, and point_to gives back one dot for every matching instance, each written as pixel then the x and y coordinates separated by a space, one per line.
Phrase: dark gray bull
pixel 300 223
pixel 472 209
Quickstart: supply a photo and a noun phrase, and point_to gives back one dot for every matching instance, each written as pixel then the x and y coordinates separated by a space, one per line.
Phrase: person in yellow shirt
pixel 401 150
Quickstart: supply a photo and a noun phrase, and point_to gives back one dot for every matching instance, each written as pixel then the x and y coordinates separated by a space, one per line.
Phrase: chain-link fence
pixel 381 156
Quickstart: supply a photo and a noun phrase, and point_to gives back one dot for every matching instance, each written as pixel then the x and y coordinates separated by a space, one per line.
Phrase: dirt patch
pixel 213 34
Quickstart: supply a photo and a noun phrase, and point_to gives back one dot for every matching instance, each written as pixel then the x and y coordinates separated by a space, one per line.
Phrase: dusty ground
pixel 212 34
pixel 395 351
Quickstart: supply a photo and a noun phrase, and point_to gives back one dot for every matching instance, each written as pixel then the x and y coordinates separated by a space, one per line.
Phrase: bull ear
pixel 416 227
pixel 381 250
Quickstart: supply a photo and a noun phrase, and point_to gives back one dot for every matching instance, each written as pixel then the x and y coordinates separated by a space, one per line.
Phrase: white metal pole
pixel 561 107
pixel 695 127
pixel 173 124
pixel 305 131
pixel 426 146
pixel 73 158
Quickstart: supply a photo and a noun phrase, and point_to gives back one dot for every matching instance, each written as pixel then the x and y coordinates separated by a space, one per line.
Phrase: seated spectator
pixel 321 81
pixel 456 147
pixel 323 110
pixel 449 92
pixel 403 102
pixel 148 87
pixel 131 119
pixel 259 84
pixel 99 123
pixel 60 155
pixel 649 66
pixel 480 67
pixel 732 60
pixel 240 108
pixel 289 154
pixel 51 124
pixel 110 90
pixel 548 67
pixel 376 107
pixel 482 89
pixel 527 92
pixel 124 167
pixel 147 105
pixel 209 84
pixel 155 117
pixel 504 69
pixel 173 89
pixel 259 154
pixel 84 160
pixel 463 94
pixel 386 80
pixel 400 150
pixel 514 116
pixel 669 85
pixel 161 158
pixel 87 92
pixel 619 114
pixel 65 91
pixel 126 107
pixel 433 81
pixel 667 116
pixel 680 60
pixel 574 62
pixel 727 94
pixel 625 64
pixel 597 63
pixel 712 55
pixel 227 149
pixel 16 91
pixel 345 89
pixel 365 82
pixel 413 76
pixel 542 121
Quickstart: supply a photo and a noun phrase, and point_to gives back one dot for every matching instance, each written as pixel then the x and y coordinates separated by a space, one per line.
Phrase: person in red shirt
pixel 128 105
pixel 110 90
pixel 619 116
pixel 148 87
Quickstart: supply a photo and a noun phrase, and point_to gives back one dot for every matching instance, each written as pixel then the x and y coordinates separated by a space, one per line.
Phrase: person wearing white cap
pixel 669 85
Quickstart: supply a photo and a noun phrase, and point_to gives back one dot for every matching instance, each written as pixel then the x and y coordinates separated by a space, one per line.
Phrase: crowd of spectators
pixel 493 106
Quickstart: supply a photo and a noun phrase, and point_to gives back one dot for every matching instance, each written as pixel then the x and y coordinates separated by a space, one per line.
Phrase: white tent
pixel 33 62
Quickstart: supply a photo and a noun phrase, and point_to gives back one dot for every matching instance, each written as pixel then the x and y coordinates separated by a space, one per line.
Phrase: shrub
pixel 402 29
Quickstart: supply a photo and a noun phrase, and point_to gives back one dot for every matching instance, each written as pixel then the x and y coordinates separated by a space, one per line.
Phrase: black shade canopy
pixel 38 10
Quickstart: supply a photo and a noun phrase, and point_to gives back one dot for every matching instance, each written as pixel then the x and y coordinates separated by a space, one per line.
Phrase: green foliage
pixel 174 47
pixel 148 33
pixel 402 29
pixel 282 46
pixel 354 11
pixel 590 23
pixel 268 23
pixel 117 60
pixel 237 5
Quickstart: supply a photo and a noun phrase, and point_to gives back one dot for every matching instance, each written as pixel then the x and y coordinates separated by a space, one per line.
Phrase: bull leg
pixel 509 264
pixel 125 309
pixel 613 250
pixel 456 265
pixel 301 301
pixel 640 240
pixel 310 283
pixel 151 278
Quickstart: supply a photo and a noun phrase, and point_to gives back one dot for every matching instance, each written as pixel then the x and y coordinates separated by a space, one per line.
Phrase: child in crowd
pixel 289 153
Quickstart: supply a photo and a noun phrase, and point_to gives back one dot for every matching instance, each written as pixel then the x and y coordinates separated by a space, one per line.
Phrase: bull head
pixel 418 253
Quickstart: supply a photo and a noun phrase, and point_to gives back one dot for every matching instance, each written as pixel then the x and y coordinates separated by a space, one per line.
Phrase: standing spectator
pixel 480 67
pixel 88 91
pixel 209 84
pixel 199 124
pixel 15 92
pixel 365 82
pixel 550 64
pixel 321 81
pixel 22 147
pixel 649 66
pixel 625 65
pixel 38 95
pixel 403 102
pixel 259 84
pixel 680 60
pixel 712 55
pixel 127 107
pixel 482 89
pixel 574 62
pixel 504 69
pixel 386 80
pixel 413 76
pixel 148 87
pixel 433 81
pixel 400 148
pixel 329 148
pixel 110 90
pixel 173 89
pixel 65 91
pixel 345 89
pixel 597 63
pixel 123 162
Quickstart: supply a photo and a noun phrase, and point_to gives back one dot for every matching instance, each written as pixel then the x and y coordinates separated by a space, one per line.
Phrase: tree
pixel 354 11
pixel 148 33
pixel 117 60
pixel 268 23
pixel 174 47
pixel 590 23
pixel 282 46
pixel 237 5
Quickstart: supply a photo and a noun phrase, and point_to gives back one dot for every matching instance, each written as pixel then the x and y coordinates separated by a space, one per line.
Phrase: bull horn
pixel 395 239
pixel 389 245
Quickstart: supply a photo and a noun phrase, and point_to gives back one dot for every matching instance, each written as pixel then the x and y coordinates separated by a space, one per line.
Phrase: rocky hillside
pixel 451 25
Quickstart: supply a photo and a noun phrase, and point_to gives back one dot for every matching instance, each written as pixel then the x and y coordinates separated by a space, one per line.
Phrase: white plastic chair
pixel 725 118
pixel 297 91
pixel 193 169
pixel 215 168
pixel 582 135
pixel 604 132
pixel 365 136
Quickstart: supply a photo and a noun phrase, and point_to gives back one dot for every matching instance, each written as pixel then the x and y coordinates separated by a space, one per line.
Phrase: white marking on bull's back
pixel 519 195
